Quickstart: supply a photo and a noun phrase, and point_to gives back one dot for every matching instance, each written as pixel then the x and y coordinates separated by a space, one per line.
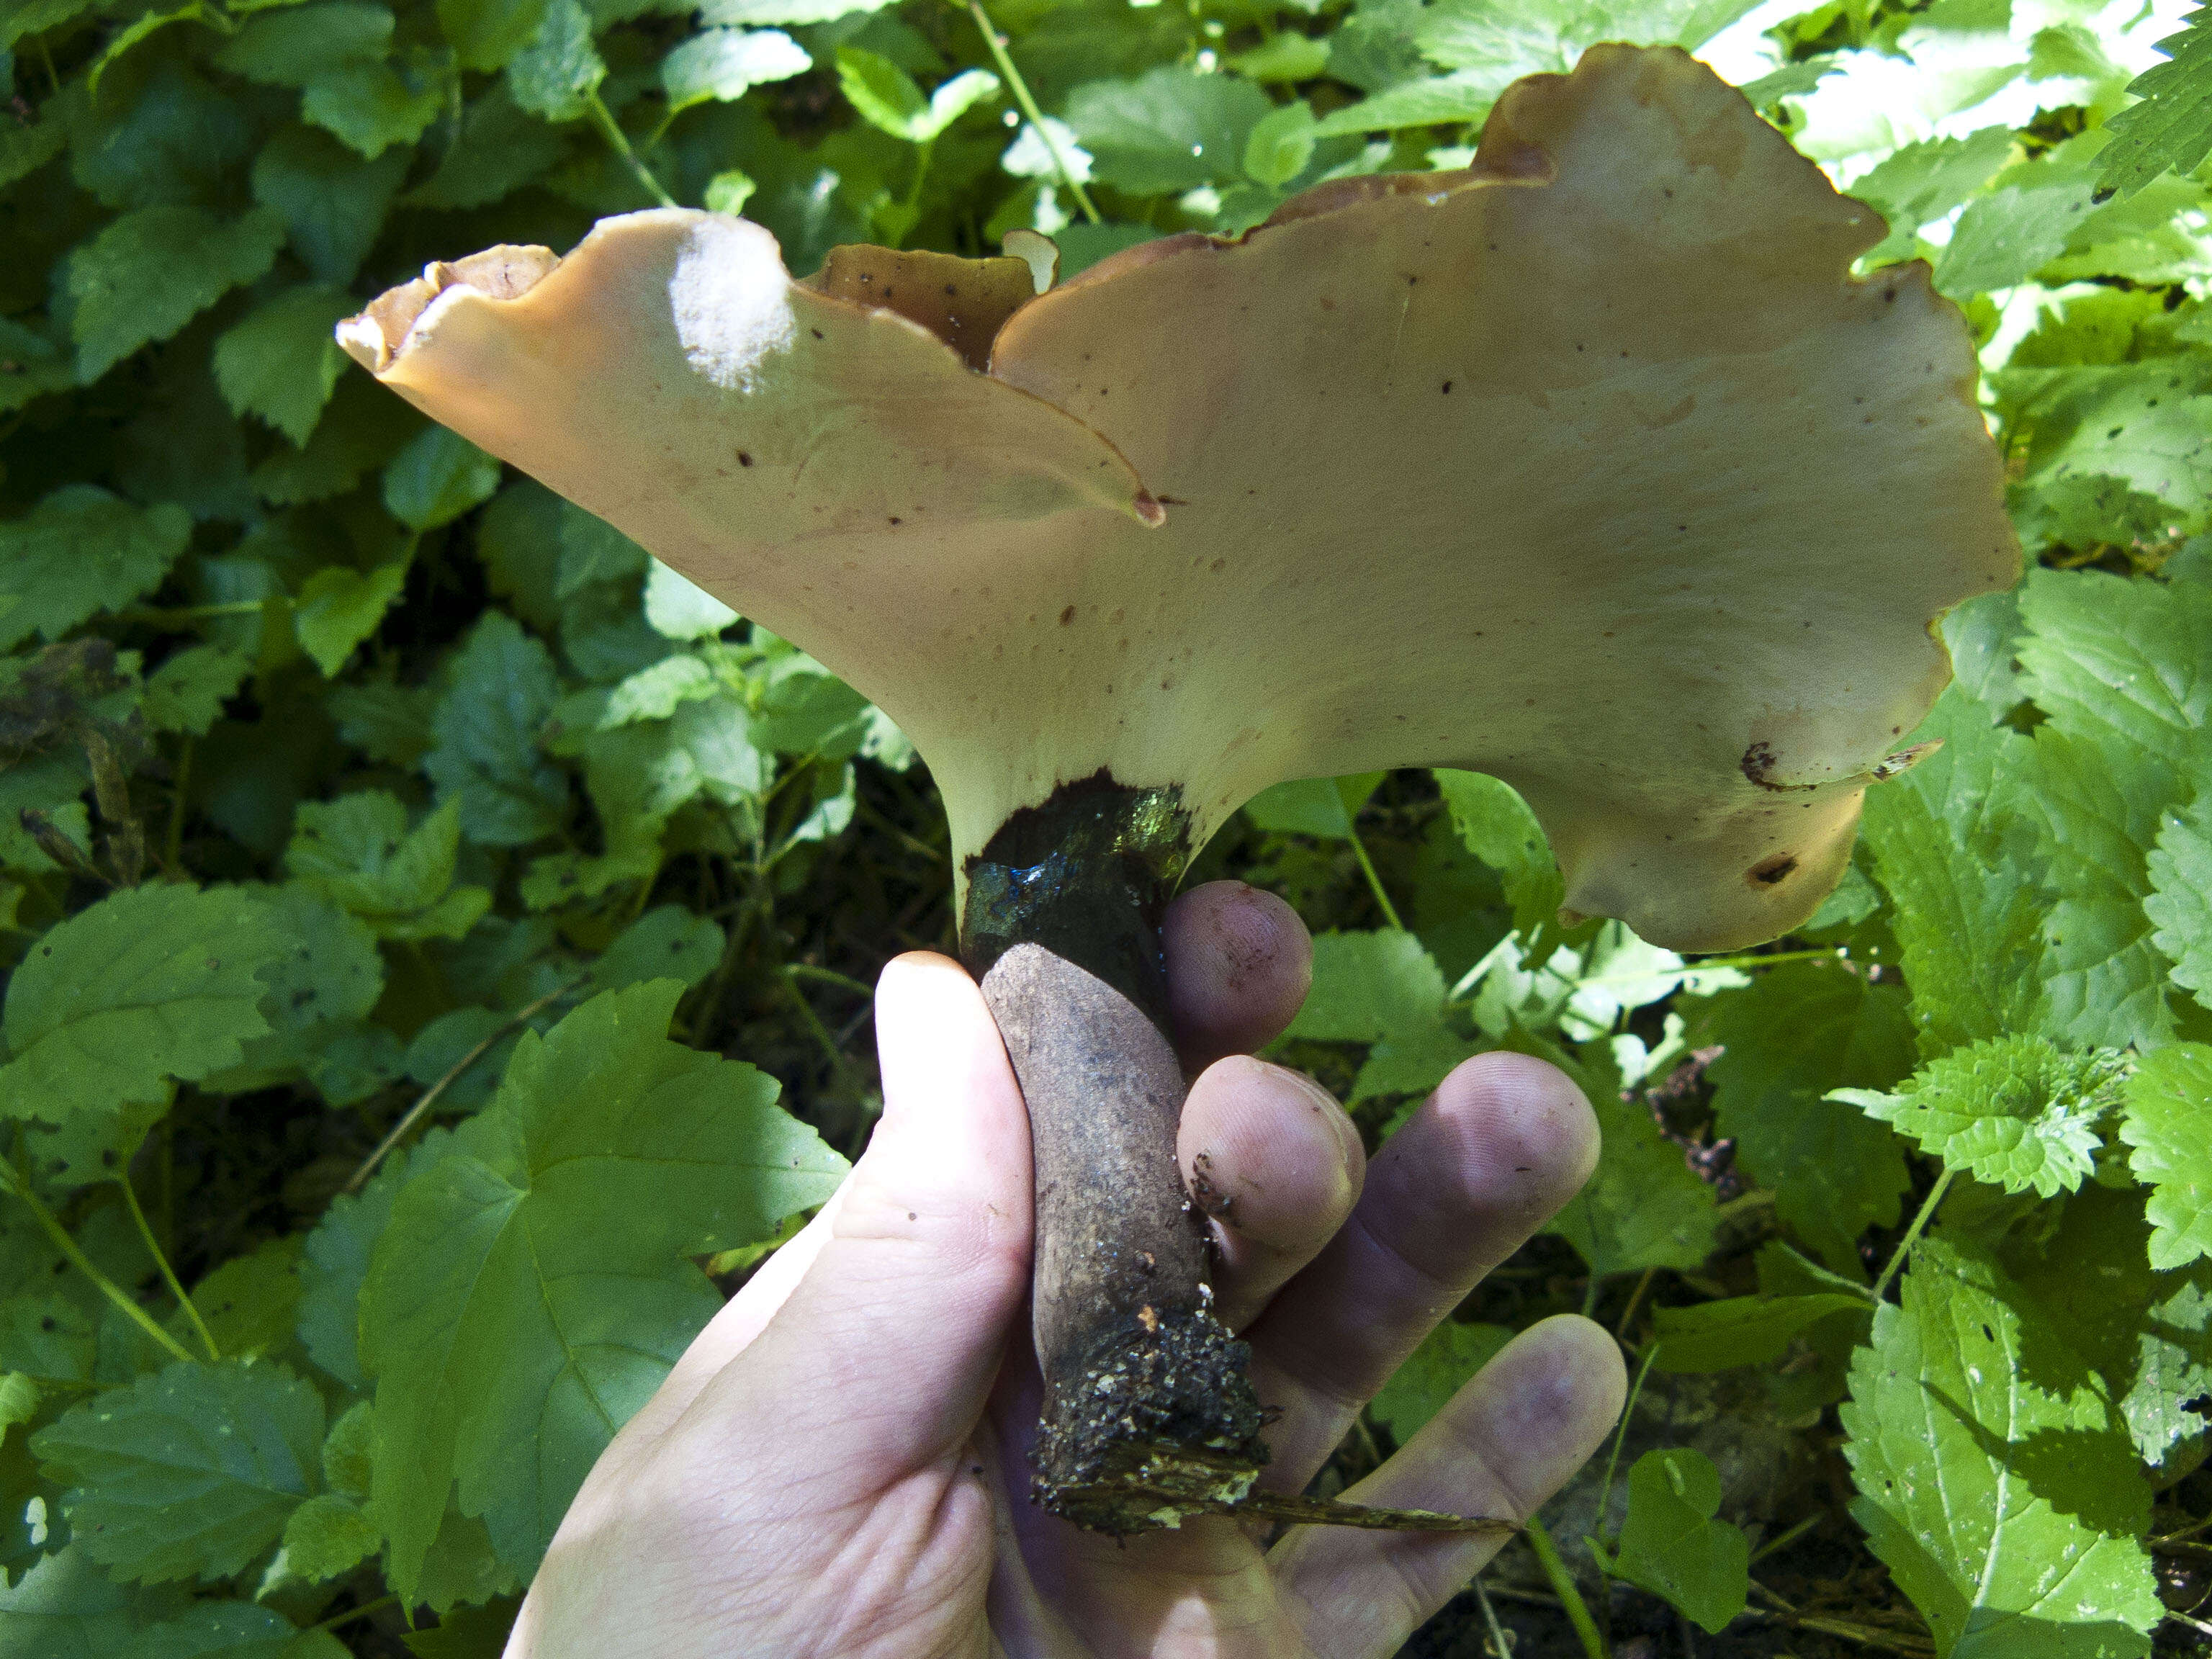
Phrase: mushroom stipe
pixel 1118 554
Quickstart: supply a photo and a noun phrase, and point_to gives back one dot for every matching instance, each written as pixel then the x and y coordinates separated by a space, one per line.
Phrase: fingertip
pixel 1519 1128
pixel 1566 1382
pixel 1269 1153
pixel 1239 963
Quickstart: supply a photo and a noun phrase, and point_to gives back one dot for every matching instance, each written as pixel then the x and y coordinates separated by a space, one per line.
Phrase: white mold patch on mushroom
pixel 727 322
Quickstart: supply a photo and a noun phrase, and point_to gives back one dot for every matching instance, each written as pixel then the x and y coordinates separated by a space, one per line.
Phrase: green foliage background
pixel 374 826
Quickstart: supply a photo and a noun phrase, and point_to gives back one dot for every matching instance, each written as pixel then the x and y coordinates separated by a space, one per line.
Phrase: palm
pixel 839 1464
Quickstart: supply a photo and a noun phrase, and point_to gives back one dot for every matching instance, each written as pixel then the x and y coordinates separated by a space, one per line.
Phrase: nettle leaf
pixel 359 852
pixel 485 33
pixel 1382 989
pixel 530 1290
pixel 1949 839
pixel 1994 1480
pixel 369 107
pixel 1673 1543
pixel 1745 1330
pixel 2013 1111
pixel 2007 236
pixel 1789 1038
pixel 150 984
pixel 186 693
pixel 2169 1127
pixel 328 1536
pixel 66 1608
pixel 232 1628
pixel 438 476
pixel 1170 129
pixel 333 201
pixel 557 75
pixel 2180 905
pixel 724 64
pixel 189 1473
pixel 2142 423
pixel 148 273
pixel 503 690
pixel 2171 129
pixel 291 46
pixel 667 942
pixel 283 362
pixel 1433 1373
pixel 79 552
pixel 499 149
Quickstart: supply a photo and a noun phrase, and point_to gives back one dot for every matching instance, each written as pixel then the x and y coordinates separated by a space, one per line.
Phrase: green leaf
pixel 2172 127
pixel 2007 236
pixel 2144 424
pixel 2125 667
pixel 438 476
pixel 232 1628
pixel 316 997
pixel 363 428
pixel 1743 1330
pixel 1498 829
pixel 479 1632
pixel 884 93
pixel 786 13
pixel 186 693
pixel 499 149
pixel 1925 182
pixel 485 33
pixel 726 64
pixel 148 273
pixel 2013 1111
pixel 502 690
pixel 250 1303
pixel 678 607
pixel 369 107
pixel 66 1608
pixel 290 47
pixel 334 1264
pixel 1367 987
pixel 358 852
pixel 328 1536
pixel 283 361
pixel 189 1472
pixel 667 942
pixel 80 552
pixel 1433 1374
pixel 1643 1207
pixel 27 146
pixel 1442 100
pixel 558 73
pixel 1674 1545
pixel 2179 904
pixel 1170 129
pixel 339 608
pixel 530 1290
pixel 1994 1479
pixel 2169 1129
pixel 333 203
pixel 151 983
pixel 1280 144
pixel 1313 807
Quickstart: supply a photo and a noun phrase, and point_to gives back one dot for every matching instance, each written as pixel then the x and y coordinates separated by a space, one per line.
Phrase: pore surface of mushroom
pixel 1590 466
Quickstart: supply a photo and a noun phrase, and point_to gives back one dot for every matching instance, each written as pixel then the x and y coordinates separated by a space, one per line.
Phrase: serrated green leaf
pixel 1993 1478
pixel 148 273
pixel 502 690
pixel 1280 144
pixel 250 1303
pixel 1643 1207
pixel 186 693
pixel 2124 666
pixel 189 1472
pixel 369 107
pixel 1497 828
pixel 328 1536
pixel 339 608
pixel 1674 1545
pixel 291 46
pixel 724 64
pixel 499 149
pixel 2013 1111
pixel 2007 236
pixel 485 33
pixel 316 992
pixel 151 983
pixel 1313 807
pixel 550 1237
pixel 1925 181
pixel 1433 1373
pixel 281 363
pixel 2172 127
pixel 157 133
pixel 667 942
pixel 1368 985
pixel 2179 904
pixel 677 608
pixel 363 428
pixel 2169 1129
pixel 27 146
pixel 333 201
pixel 479 1632
pixel 79 552
pixel 2143 423
pixel 438 476
pixel 66 1608
pixel 1170 129
pixel 558 73
pixel 334 1264
pixel 232 1628
pixel 358 852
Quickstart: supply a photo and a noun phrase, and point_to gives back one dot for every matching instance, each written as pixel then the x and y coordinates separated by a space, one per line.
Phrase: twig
pixel 452 1072
pixel 1819 1623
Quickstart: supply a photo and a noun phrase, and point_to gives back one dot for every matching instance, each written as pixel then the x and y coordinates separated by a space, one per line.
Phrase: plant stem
pixel 173 849
pixel 348 1617
pixel 452 1072
pixel 1911 1234
pixel 828 977
pixel 108 1288
pixel 1635 1301
pixel 1787 1539
pixel 997 43
pixel 1562 1586
pixel 1490 1620
pixel 168 1273
pixel 603 119
pixel 1620 1435
pixel 1375 881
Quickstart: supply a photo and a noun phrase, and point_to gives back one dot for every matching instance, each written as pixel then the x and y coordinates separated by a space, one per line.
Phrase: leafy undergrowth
pixel 373 826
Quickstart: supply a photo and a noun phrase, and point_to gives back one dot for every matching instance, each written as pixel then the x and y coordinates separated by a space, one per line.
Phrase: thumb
pixel 891 1339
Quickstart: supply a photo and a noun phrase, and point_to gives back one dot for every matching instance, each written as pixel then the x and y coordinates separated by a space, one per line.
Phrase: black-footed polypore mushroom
pixel 1590 466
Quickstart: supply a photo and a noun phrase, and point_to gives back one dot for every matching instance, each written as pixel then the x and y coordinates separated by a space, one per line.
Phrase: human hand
pixel 838 1465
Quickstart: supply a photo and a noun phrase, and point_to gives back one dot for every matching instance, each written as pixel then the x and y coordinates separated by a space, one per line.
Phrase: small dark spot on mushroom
pixel 743 459
pixel 1768 872
pixel 1447 388
pixel 1068 616
pixel 1889 296
pixel 949 288
pixel 898 521
pixel 1668 193
pixel 816 332
pixel 1413 282
pixel 1217 564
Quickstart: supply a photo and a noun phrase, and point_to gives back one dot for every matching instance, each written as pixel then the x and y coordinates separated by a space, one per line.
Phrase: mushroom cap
pixel 1590 466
